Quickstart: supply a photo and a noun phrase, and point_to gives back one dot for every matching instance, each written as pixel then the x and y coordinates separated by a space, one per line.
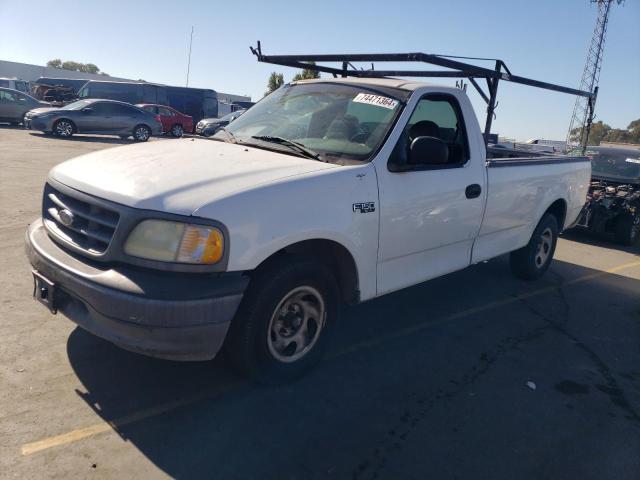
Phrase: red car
pixel 173 121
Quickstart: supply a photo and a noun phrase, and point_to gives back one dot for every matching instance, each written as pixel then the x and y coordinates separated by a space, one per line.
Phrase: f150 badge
pixel 364 207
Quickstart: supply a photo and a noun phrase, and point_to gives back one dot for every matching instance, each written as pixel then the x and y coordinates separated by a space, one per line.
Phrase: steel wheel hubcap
pixel 544 247
pixel 296 324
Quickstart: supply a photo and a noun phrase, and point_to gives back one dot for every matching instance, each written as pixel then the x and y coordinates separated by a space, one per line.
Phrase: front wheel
pixel 532 261
pixel 141 133
pixel 282 327
pixel 63 128
pixel 177 131
pixel 628 229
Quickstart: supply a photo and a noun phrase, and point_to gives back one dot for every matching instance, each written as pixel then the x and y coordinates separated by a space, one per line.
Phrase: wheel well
pixel 329 253
pixel 559 210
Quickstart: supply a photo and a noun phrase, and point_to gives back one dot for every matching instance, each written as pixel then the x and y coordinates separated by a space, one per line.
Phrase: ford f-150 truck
pixel 327 191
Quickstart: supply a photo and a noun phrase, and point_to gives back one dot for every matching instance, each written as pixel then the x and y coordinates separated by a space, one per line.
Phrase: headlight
pixel 175 242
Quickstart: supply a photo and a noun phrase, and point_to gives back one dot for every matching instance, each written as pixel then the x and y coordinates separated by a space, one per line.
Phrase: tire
pixel 141 133
pixel 262 341
pixel 628 229
pixel 177 131
pixel 532 261
pixel 64 128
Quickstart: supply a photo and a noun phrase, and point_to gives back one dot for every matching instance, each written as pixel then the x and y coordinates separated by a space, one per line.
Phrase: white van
pixel 15 83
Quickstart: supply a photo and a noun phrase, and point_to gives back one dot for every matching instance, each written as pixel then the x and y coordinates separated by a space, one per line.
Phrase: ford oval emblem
pixel 66 217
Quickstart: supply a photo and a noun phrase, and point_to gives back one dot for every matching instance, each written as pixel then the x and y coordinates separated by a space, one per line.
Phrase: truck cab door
pixel 430 214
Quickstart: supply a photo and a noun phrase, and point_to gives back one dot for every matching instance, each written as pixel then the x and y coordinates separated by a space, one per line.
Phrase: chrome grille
pixel 82 223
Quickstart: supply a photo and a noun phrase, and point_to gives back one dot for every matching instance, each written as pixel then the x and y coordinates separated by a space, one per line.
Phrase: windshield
pixel 618 165
pixel 79 105
pixel 335 121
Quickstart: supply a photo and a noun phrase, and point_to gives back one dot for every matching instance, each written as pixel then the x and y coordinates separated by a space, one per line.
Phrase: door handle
pixel 473 191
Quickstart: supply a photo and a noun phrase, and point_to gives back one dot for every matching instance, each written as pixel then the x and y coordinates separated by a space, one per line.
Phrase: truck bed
pixel 502 157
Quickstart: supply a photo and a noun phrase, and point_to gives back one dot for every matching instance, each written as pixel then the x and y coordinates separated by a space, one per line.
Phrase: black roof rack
pixel 457 69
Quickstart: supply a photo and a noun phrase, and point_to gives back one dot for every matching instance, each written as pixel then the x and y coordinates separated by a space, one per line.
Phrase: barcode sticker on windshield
pixel 377 100
pixel 633 160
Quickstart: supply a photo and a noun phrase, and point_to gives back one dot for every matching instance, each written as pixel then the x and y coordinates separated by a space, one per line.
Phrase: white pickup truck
pixel 327 191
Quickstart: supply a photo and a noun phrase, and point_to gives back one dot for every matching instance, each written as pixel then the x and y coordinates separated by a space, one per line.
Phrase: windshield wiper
pixel 289 143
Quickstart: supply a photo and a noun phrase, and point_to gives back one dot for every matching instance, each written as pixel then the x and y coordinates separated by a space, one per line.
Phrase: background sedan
pixel 14 105
pixel 209 126
pixel 106 117
pixel 173 121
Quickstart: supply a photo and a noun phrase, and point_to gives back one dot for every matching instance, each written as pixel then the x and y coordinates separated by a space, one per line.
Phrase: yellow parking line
pixel 105 426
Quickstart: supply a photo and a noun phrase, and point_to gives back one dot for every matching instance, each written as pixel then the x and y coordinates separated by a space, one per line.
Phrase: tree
pixel 634 130
pixel 276 80
pixel 89 68
pixel 601 132
pixel 306 74
pixel 74 66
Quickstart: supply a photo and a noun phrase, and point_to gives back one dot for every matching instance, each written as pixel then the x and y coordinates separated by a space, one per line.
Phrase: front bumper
pixel 35 124
pixel 177 316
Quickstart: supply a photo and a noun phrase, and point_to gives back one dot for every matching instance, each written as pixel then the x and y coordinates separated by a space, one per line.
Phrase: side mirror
pixel 87 110
pixel 428 151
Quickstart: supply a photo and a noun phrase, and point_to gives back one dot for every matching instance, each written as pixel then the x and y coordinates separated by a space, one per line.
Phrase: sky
pixel 544 39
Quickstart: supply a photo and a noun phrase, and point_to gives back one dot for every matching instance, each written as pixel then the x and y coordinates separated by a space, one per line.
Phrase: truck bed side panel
pixel 519 192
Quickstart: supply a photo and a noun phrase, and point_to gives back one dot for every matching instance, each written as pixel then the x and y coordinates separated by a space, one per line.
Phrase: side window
pixel 100 108
pixel 151 109
pixel 165 112
pixel 8 96
pixel 122 110
pixel 438 116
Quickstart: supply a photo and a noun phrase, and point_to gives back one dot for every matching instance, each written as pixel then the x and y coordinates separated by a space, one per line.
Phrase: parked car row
pixel 102 116
pixel 107 117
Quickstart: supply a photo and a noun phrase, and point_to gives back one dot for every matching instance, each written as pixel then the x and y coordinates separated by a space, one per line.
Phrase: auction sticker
pixel 377 100
pixel 633 160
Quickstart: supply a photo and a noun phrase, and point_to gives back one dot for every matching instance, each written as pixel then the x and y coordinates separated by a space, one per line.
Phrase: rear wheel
pixel 532 261
pixel 282 327
pixel 63 128
pixel 141 133
pixel 177 131
pixel 628 229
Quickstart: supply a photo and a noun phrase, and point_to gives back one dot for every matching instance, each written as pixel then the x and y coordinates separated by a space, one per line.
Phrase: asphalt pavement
pixel 472 375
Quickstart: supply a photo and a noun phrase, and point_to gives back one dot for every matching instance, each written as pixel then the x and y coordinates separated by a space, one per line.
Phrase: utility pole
pixel 583 109
pixel 189 61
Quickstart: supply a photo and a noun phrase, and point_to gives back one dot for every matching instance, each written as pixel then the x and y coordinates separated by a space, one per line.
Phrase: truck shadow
pixel 398 362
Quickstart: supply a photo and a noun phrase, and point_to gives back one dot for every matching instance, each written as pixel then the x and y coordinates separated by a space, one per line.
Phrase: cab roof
pixel 398 83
